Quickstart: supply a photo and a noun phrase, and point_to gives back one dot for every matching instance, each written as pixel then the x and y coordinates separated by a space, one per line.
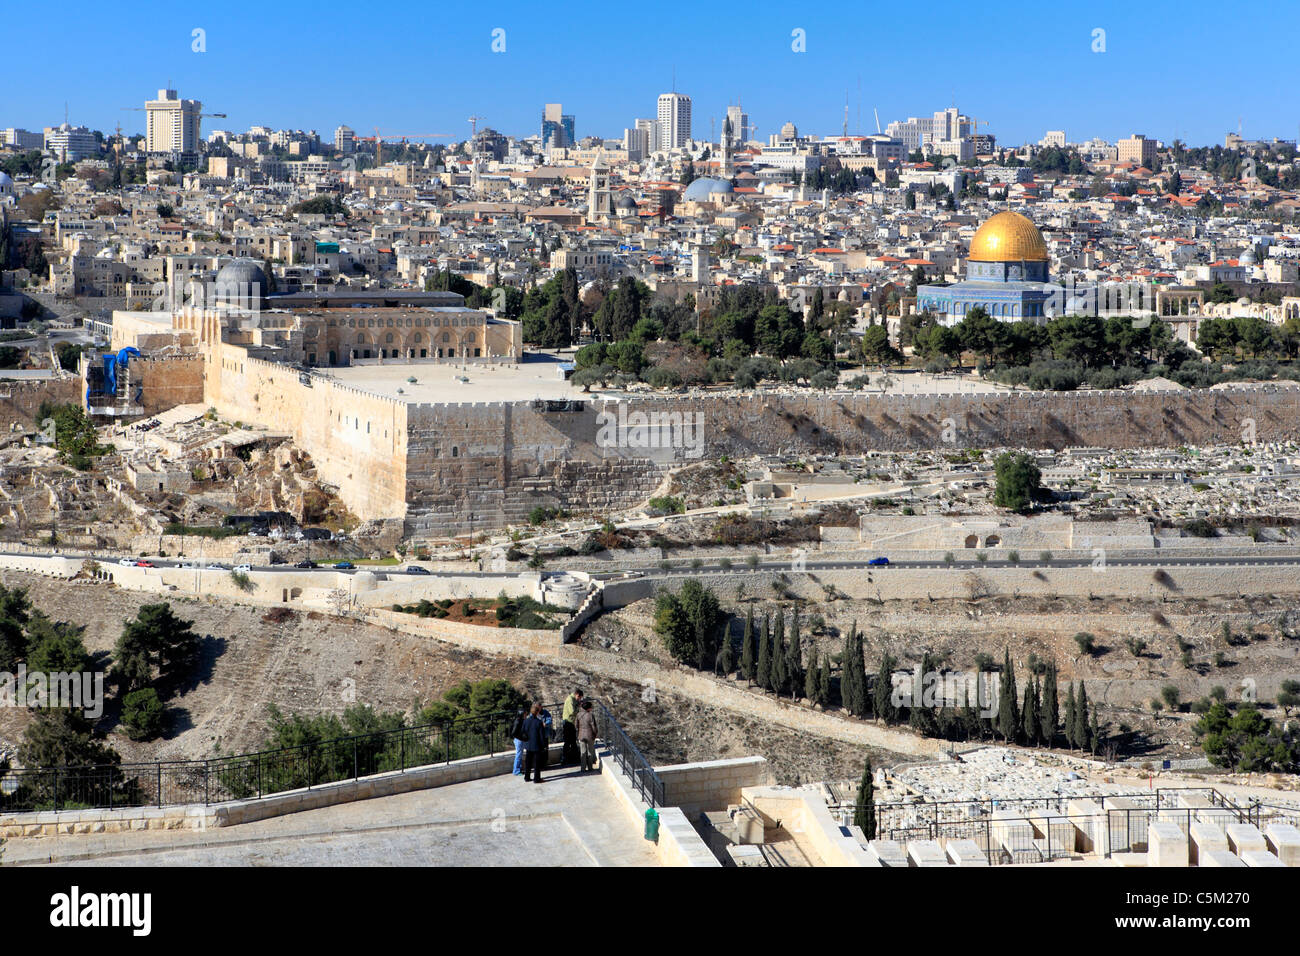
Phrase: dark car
pixel 878 562
pixel 345 566
pixel 306 565
pixel 416 569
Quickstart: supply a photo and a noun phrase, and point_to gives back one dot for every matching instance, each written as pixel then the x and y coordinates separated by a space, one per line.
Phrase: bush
pixel 1087 643
pixel 143 714
pixel 1169 693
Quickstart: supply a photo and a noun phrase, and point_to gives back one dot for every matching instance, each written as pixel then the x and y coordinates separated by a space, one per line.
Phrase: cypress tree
pixel 811 678
pixel 725 662
pixel 1050 716
pixel 824 682
pixel 1094 732
pixel 883 695
pixel 864 815
pixel 779 676
pixel 848 693
pixel 1069 717
pixel 1008 718
pixel 764 653
pixel 1029 712
pixel 794 659
pixel 747 647
pixel 1081 718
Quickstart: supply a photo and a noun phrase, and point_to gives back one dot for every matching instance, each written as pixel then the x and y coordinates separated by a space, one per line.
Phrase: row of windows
pixel 456 321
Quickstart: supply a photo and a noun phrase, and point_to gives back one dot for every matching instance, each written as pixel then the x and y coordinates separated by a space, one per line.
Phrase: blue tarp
pixel 111 363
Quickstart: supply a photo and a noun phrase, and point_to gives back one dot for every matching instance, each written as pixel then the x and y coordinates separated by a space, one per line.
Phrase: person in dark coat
pixel 537 740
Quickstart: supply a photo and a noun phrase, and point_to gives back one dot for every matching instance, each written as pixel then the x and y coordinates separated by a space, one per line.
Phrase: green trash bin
pixel 652 825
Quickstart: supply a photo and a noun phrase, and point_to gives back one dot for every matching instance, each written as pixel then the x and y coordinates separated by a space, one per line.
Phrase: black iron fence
pixel 254 775
pixel 647 783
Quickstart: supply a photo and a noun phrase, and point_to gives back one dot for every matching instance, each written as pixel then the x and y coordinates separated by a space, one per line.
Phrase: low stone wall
pixel 679 844
pixel 711 784
pixel 235 812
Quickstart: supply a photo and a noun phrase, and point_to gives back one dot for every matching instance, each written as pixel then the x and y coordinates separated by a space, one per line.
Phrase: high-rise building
pixel 345 141
pixel 71 144
pixel 674 120
pixel 557 127
pixel 172 124
pixel 1137 149
pixel 636 141
pixel 21 138
pixel 738 119
pixel 1053 137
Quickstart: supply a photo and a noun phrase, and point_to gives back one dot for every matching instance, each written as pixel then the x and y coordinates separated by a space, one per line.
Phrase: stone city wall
pixel 20 400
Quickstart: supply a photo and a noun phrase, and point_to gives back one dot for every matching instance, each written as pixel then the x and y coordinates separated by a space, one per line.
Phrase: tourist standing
pixel 519 736
pixel 570 716
pixel 537 739
pixel 587 736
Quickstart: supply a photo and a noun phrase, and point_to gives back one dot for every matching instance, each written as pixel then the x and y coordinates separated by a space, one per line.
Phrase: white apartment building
pixel 70 144
pixel 674 120
pixel 172 124
pixel 345 141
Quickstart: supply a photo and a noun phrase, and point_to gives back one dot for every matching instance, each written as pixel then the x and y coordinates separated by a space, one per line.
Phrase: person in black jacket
pixel 537 740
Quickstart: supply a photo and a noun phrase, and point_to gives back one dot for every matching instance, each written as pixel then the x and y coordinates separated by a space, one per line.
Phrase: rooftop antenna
pixel 877 112
pixel 845 133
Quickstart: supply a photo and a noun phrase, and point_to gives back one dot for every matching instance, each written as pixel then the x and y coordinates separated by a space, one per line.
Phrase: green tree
pixel 764 675
pixel 15 613
pixel 1018 481
pixel 59 737
pixel 156 647
pixel 794 658
pixel 780 676
pixel 143 714
pixel 55 647
pixel 1030 713
pixel 1070 713
pixel 1050 710
pixel 883 699
pixel 1082 734
pixel 688 621
pixel 864 813
pixel 1008 712
pixel 747 647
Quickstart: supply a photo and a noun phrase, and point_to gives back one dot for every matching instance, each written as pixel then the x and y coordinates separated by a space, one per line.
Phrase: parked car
pixel 305 565
pixel 126 562
pixel 216 567
pixel 243 568
pixel 878 562
pixel 345 566
pixel 144 564
pixel 416 569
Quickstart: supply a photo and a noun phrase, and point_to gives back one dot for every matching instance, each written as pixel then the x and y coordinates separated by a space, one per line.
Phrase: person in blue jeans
pixel 537 741
pixel 517 732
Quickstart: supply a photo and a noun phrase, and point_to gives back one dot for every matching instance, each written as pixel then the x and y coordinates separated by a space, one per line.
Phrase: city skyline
pixel 901 70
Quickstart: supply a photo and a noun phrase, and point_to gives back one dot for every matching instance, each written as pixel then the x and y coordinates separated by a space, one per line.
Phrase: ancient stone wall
pixel 167 381
pixel 498 461
pixel 20 400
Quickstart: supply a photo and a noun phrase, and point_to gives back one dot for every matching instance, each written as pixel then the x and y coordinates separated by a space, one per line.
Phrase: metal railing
pixel 648 784
pixel 255 775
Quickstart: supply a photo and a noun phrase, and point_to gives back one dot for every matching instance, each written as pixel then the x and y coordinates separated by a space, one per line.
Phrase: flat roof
pixel 440 382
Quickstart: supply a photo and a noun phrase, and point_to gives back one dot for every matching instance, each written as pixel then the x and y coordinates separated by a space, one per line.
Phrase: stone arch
pixel 992 541
pixel 972 541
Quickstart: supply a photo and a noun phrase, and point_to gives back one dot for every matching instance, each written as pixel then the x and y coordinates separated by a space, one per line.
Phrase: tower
pixel 598 196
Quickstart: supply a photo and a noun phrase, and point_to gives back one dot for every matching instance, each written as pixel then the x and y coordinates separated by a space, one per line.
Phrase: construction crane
pixel 379 143
pixel 473 125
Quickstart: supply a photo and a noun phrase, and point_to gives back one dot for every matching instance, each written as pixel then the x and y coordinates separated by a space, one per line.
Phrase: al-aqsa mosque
pixel 1006 275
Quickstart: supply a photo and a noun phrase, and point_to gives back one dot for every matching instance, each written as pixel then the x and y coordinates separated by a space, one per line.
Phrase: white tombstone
pixel 1166 845
pixel 887 853
pixel 1284 842
pixel 1206 836
pixel 1243 837
pixel 966 853
pixel 1260 858
pixel 1213 856
pixel 925 853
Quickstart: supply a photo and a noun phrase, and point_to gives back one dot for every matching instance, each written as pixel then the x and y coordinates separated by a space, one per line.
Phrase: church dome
pixel 1008 237
pixel 700 189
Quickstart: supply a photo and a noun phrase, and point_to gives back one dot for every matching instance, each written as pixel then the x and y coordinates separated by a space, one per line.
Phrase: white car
pixel 243 568
pixel 215 567
pixel 126 562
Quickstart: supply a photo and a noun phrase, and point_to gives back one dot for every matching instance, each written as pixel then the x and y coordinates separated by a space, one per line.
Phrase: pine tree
pixel 747 647
pixel 1081 733
pixel 1069 717
pixel 794 659
pixel 810 679
pixel 764 654
pixel 1050 717
pixel 864 814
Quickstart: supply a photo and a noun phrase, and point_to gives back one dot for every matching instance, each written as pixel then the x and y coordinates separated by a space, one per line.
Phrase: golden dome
pixel 1008 237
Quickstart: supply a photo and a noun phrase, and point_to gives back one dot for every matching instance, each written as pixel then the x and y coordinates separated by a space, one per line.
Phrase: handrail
pixel 647 783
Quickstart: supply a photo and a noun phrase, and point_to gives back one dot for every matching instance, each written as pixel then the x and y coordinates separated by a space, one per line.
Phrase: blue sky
pixel 1187 69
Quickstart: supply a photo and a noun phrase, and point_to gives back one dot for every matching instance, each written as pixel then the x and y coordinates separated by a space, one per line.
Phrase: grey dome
pixel 700 189
pixel 241 284
pixel 625 202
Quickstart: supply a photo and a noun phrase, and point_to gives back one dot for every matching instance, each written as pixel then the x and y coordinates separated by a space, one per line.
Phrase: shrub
pixel 1169 693
pixel 143 714
pixel 1087 643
